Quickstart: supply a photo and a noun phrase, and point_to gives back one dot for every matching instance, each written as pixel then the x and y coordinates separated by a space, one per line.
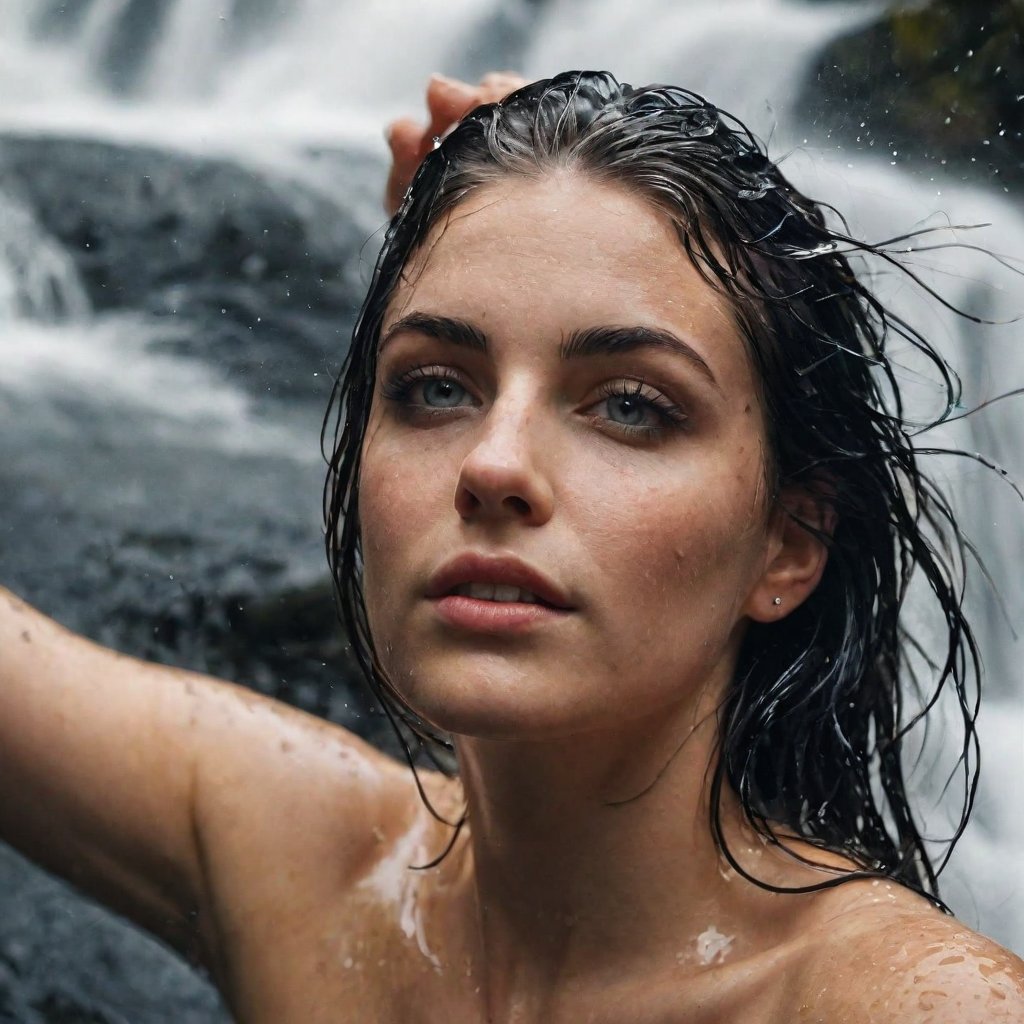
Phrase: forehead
pixel 555 253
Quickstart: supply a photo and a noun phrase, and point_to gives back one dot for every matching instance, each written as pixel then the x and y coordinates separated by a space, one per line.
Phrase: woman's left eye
pixel 637 409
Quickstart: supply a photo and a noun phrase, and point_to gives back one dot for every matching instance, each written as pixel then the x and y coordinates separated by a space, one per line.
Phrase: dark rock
pixel 216 564
pixel 943 81
pixel 139 221
pixel 256 274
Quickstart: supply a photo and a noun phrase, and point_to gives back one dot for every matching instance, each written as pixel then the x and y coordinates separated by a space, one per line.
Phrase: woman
pixel 617 504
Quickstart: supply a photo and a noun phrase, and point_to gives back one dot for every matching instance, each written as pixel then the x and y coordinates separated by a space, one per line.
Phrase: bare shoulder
pixel 883 954
pixel 290 811
pixel 305 833
pixel 271 777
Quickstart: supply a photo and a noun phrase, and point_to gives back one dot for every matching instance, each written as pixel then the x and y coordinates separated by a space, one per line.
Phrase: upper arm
pixel 139 782
pixel 97 768
pixel 969 980
pixel 921 966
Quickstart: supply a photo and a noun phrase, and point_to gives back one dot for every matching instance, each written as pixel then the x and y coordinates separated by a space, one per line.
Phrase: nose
pixel 500 478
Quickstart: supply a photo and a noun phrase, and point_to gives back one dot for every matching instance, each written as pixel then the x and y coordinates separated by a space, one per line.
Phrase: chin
pixel 492 705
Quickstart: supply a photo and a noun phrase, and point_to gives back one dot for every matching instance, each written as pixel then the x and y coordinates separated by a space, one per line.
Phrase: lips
pixel 496 578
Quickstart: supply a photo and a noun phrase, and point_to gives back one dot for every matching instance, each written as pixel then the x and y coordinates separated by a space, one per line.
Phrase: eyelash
pixel 671 415
pixel 399 388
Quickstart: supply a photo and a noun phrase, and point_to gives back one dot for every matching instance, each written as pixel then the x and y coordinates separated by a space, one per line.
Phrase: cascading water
pixel 187 197
pixel 38 279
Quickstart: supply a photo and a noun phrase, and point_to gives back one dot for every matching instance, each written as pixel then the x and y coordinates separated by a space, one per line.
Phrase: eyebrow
pixel 443 328
pixel 610 340
pixel 584 343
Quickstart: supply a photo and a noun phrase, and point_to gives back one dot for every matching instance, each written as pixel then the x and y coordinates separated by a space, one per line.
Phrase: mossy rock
pixel 942 81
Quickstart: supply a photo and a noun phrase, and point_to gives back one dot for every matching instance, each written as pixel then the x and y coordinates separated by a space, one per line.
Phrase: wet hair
pixel 812 732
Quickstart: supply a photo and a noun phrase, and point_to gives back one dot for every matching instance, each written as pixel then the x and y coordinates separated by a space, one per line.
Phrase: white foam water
pixel 107 363
pixel 747 56
pixel 38 278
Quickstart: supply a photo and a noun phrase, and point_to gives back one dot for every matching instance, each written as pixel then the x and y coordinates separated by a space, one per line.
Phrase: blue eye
pixel 638 410
pixel 631 411
pixel 426 387
pixel 439 393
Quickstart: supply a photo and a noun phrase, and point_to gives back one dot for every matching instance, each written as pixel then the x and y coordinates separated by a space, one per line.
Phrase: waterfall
pixel 38 279
pixel 228 53
pixel 709 47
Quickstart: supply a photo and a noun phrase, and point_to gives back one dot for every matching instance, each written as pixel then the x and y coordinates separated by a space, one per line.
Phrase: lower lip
pixel 495 616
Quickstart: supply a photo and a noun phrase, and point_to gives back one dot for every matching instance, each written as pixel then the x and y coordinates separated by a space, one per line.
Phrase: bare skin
pixel 587 886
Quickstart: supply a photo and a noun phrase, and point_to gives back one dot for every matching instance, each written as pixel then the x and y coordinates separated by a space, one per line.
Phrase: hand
pixel 448 99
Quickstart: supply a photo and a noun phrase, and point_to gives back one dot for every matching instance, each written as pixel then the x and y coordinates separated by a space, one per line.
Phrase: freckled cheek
pixel 387 494
pixel 664 545
pixel 402 491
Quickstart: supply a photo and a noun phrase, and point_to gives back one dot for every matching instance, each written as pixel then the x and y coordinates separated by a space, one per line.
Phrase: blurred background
pixel 189 213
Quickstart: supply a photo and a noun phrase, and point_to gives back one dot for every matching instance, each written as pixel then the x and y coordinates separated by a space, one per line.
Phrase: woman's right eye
pixel 427 387
pixel 441 394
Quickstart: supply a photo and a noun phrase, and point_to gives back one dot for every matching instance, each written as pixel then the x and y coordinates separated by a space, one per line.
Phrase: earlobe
pixel 801 524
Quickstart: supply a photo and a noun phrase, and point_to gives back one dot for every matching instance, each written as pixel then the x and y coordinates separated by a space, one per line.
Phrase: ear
pixel 796 553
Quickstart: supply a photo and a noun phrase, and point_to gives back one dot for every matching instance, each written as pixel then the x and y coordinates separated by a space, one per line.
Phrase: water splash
pixel 134 390
pixel 38 279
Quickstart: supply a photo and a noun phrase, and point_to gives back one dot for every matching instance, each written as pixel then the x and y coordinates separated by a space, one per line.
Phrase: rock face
pixel 940 81
pixel 261 269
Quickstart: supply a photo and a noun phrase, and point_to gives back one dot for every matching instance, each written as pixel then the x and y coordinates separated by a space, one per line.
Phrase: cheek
pixel 691 539
pixel 385 507
pixel 405 490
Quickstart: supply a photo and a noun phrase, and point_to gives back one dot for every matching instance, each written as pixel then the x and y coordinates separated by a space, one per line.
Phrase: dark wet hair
pixel 812 731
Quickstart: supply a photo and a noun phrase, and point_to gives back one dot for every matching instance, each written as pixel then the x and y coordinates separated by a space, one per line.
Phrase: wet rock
pixel 65 961
pixel 940 81
pixel 257 274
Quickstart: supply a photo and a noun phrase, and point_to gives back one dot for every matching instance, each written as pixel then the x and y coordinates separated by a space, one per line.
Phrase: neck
pixel 593 856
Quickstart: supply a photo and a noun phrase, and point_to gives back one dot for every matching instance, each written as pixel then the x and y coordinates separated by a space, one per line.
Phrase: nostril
pixel 518 505
pixel 466 502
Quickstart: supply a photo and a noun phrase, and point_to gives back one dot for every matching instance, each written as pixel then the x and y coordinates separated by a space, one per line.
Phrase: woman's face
pixel 559 393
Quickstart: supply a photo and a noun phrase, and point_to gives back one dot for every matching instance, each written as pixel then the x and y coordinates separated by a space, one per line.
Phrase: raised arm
pixel 153 788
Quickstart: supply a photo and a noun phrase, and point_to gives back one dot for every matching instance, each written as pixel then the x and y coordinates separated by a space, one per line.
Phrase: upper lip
pixel 505 570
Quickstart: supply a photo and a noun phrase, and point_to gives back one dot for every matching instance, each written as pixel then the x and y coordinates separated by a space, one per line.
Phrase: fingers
pixel 407 141
pixel 448 100
pixel 498 84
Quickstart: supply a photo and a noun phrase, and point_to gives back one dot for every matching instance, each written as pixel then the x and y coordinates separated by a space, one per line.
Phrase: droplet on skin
pixel 713 946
